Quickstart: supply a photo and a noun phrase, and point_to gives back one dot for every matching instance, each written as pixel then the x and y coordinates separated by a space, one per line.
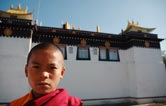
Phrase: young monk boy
pixel 44 69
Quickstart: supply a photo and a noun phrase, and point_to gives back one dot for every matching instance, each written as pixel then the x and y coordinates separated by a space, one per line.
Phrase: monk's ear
pixel 26 70
pixel 63 72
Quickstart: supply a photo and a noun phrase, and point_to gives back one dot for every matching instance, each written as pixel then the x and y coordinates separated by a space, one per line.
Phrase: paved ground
pixel 152 104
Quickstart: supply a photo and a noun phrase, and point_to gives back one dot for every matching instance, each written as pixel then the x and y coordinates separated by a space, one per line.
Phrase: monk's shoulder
pixel 74 101
pixel 20 101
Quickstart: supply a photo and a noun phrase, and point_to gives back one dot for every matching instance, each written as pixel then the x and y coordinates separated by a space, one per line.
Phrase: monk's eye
pixel 35 67
pixel 53 67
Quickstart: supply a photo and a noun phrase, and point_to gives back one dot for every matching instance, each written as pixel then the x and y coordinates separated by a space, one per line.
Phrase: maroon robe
pixel 58 97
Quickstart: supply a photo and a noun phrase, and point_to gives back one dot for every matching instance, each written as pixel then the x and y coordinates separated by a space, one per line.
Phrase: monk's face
pixel 44 70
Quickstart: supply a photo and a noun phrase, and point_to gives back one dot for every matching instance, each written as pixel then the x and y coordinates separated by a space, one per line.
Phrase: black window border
pixel 77 57
pixel 107 54
pixel 65 53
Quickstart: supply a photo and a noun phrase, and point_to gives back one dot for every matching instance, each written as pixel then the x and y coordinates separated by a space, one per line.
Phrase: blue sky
pixel 111 15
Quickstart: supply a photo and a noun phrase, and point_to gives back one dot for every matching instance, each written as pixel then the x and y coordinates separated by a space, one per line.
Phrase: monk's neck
pixel 36 95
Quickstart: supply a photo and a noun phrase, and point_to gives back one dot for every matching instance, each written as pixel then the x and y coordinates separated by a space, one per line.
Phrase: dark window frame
pixel 78 51
pixel 107 54
pixel 64 52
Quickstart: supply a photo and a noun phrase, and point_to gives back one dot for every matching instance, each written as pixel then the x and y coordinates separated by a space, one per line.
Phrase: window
pixel 94 51
pixel 63 49
pixel 113 55
pixel 71 50
pixel 83 53
pixel 102 54
pixel 108 54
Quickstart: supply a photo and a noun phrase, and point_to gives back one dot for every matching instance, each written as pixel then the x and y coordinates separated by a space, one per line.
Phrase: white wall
pixel 128 58
pixel 95 79
pixel 13 53
pixel 150 72
pixel 140 73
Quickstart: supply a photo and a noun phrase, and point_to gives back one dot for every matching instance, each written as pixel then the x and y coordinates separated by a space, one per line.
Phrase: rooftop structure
pixel 18 13
pixel 107 67
pixel 136 28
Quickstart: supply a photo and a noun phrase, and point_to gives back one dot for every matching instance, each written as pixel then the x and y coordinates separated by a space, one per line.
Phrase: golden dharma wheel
pixel 7 32
pixel 53 30
pixel 107 44
pixel 56 40
pixel 83 42
pixel 147 44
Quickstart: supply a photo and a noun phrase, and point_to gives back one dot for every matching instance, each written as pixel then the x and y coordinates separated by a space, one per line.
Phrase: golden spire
pixel 97 29
pixel 11 6
pixel 79 28
pixel 73 27
pixel 137 24
pixel 19 7
pixel 18 10
pixel 67 26
pixel 26 9
pixel 135 27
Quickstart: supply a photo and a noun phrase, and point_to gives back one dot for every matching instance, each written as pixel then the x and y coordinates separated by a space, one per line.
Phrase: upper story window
pixel 108 54
pixel 94 51
pixel 71 50
pixel 83 53
pixel 63 49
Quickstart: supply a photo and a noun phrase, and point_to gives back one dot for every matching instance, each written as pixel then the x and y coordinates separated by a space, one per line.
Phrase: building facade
pixel 125 67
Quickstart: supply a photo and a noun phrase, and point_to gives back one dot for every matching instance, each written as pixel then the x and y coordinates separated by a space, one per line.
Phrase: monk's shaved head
pixel 45 46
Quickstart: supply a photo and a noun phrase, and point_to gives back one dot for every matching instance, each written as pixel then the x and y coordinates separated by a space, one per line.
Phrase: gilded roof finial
pixel 67 26
pixel 26 9
pixel 11 6
pixel 73 27
pixel 97 29
pixel 79 28
pixel 19 7
pixel 18 12
pixel 136 28
pixel 128 22
pixel 137 23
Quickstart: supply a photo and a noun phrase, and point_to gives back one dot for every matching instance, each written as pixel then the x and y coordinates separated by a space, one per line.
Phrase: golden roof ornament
pixel 18 10
pixel 67 26
pixel 79 28
pixel 83 42
pixel 107 44
pixel 26 9
pixel 147 44
pixel 132 26
pixel 19 7
pixel 92 34
pixel 11 6
pixel 8 32
pixel 137 23
pixel 73 27
pixel 53 30
pixel 56 40
pixel 18 13
pixel 97 29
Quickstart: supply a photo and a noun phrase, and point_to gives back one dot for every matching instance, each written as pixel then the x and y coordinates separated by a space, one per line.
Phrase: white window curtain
pixel 113 55
pixel 83 52
pixel 103 53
